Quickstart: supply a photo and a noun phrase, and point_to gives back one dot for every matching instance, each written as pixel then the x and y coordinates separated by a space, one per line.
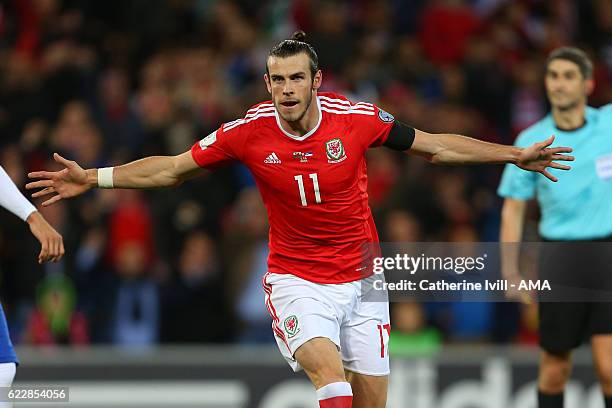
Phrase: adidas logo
pixel 272 159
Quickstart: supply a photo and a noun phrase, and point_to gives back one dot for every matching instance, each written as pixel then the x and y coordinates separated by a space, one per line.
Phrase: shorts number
pixel 315 185
pixel 387 328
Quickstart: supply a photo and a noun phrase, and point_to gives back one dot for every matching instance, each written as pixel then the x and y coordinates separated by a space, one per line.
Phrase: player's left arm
pixel 456 149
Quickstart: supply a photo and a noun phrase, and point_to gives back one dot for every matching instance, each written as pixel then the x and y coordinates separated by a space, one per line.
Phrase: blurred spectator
pixel 445 28
pixel 402 226
pixel 383 172
pixel 194 308
pixel 248 246
pixel 55 319
pixel 116 114
pixel 130 222
pixel 527 99
pixel 410 335
pixel 330 35
pixel 78 136
pixel 135 315
pixel 127 311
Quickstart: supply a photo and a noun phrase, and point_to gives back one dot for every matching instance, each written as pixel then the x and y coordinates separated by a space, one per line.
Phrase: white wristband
pixel 105 177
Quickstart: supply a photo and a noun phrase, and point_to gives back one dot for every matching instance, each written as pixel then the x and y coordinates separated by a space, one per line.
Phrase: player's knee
pixel 323 374
pixel 321 361
pixel 554 372
pixel 553 379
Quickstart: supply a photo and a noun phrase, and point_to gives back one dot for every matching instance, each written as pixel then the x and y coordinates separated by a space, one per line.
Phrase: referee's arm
pixel 510 234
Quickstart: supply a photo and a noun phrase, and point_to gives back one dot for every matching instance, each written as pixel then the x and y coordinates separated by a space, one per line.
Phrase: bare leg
pixel 602 355
pixel 368 391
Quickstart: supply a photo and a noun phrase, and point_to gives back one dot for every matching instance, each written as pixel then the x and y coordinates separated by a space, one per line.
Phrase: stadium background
pixel 107 82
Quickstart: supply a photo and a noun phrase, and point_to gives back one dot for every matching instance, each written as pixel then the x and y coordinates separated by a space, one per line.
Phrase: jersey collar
pixel 586 122
pixel 310 133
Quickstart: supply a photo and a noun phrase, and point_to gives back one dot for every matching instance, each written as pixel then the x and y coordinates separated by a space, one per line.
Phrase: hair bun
pixel 299 36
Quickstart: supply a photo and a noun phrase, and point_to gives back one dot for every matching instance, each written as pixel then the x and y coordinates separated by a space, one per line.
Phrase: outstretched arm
pixel 150 172
pixel 456 149
pixel 52 246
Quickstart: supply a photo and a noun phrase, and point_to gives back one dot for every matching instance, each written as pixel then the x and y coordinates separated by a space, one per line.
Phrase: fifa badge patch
pixel 291 326
pixel 335 151
pixel 385 116
pixel 208 140
pixel 603 166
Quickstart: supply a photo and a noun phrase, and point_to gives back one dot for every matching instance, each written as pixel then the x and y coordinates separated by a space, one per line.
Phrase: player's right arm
pixel 215 150
pixel 149 172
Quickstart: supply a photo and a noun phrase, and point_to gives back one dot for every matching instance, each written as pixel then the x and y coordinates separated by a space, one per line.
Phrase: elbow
pixel 173 176
pixel 165 180
pixel 435 159
pixel 448 157
pixel 175 182
pixel 440 157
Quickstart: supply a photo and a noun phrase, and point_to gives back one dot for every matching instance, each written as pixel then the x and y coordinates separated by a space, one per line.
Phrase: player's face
pixel 565 85
pixel 291 85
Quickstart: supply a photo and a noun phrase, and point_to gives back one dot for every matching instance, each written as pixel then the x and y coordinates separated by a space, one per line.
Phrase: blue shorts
pixel 7 352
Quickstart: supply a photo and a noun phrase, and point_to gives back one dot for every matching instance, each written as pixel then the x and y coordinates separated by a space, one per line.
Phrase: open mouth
pixel 289 104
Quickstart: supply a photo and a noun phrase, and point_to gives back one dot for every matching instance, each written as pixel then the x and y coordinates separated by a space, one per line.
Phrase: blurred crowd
pixel 105 82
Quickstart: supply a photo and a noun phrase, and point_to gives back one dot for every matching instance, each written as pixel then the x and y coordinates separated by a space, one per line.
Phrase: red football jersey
pixel 313 186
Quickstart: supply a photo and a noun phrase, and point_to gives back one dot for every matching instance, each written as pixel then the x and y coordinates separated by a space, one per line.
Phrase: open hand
pixel 539 157
pixel 68 182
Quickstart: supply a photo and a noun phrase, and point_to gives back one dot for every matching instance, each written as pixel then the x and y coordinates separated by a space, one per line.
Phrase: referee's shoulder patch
pixel 385 116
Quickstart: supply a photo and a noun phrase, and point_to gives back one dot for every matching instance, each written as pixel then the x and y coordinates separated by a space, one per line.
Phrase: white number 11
pixel 315 184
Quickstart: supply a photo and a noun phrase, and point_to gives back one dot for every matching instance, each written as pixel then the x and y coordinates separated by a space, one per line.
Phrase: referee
pixel 576 209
